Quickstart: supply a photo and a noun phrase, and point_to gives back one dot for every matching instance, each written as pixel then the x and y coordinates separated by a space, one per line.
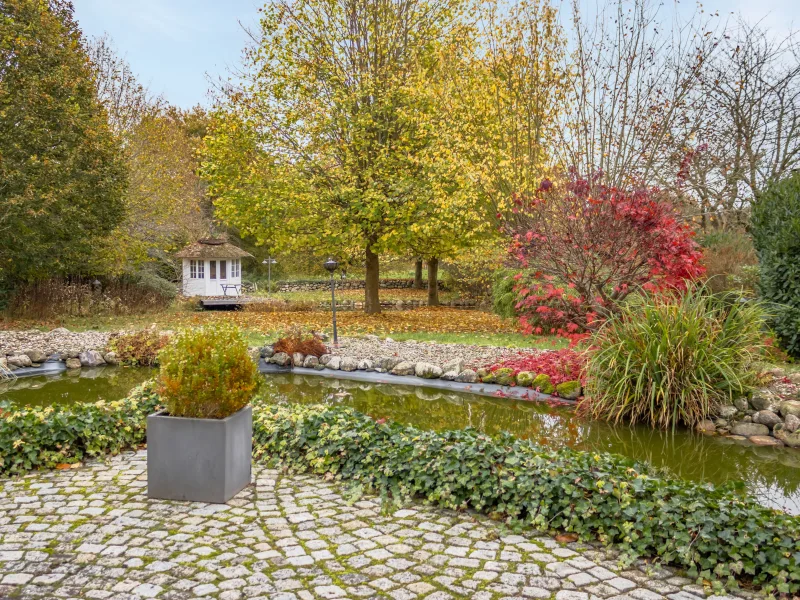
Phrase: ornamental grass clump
pixel 673 360
pixel 207 373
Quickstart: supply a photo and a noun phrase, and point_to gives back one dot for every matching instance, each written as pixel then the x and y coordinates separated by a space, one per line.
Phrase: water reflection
pixel 771 475
pixel 69 387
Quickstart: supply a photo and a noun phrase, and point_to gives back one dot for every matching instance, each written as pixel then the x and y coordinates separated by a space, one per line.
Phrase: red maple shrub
pixel 297 340
pixel 583 247
pixel 560 365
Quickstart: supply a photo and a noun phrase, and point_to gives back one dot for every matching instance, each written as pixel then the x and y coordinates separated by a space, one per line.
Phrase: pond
pixel 771 475
pixel 69 387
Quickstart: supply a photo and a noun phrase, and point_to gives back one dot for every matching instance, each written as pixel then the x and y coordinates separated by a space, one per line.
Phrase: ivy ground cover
pixel 715 533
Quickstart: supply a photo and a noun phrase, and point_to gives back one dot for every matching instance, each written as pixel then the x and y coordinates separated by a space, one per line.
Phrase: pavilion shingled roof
pixel 212 248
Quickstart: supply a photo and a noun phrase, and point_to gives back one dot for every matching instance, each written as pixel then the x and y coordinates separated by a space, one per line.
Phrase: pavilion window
pixel 223 269
pixel 196 269
pixel 212 264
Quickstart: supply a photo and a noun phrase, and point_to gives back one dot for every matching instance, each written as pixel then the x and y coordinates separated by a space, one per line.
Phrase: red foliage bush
pixel 560 365
pixel 584 247
pixel 296 340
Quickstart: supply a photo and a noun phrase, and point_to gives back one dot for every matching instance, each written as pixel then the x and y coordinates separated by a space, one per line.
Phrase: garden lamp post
pixel 331 266
pixel 269 261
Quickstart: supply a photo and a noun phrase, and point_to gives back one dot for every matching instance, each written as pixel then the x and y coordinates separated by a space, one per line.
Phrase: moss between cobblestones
pixel 716 533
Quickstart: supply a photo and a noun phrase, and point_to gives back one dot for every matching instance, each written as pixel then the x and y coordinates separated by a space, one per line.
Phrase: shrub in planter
pixel 139 349
pixel 669 361
pixel 207 373
pixel 199 448
pixel 715 533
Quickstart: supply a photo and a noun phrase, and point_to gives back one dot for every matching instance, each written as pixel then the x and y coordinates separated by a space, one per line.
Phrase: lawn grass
pixel 439 324
pixel 354 295
pixel 352 273
pixel 508 340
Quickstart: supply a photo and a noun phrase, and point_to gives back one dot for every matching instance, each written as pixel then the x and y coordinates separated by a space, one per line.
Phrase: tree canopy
pixel 382 125
pixel 62 172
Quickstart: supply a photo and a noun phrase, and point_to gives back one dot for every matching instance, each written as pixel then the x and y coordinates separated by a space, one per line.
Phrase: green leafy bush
pixel 776 233
pixel 665 361
pixel 471 273
pixel 715 533
pixel 730 261
pixel 504 297
pixel 41 438
pixel 158 285
pixel 138 349
pixel 207 373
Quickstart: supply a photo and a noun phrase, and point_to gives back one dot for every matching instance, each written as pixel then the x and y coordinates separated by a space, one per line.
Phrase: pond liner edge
pixel 52 367
pixel 49 367
pixel 479 389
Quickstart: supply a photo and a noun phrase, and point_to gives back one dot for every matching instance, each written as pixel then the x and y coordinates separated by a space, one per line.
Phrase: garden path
pixel 92 532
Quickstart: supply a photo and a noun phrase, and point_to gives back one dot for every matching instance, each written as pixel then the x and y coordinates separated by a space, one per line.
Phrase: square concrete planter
pixel 199 460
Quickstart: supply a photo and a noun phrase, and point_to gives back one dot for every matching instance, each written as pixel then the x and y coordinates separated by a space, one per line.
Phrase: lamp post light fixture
pixel 331 265
pixel 269 261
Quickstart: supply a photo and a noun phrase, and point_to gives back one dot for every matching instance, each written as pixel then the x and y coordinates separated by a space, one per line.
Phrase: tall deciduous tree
pixel 62 175
pixel 126 100
pixel 165 201
pixel 634 71
pixel 746 133
pixel 504 99
pixel 334 105
pixel 497 94
pixel 166 205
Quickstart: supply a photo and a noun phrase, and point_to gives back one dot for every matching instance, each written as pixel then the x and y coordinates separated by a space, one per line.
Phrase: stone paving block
pixel 93 533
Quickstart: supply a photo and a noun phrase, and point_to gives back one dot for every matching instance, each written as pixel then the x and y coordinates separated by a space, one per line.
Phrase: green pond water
pixel 771 475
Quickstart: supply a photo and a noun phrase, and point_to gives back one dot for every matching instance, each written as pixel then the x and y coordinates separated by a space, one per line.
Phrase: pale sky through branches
pixel 173 44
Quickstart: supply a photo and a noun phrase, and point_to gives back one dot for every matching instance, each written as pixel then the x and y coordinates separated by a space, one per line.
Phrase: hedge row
pixel 42 438
pixel 714 533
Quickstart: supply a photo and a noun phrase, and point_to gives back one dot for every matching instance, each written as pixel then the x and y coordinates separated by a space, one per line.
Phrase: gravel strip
pixel 371 347
pixel 49 342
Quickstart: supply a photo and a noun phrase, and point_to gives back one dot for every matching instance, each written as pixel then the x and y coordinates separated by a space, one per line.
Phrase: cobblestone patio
pixel 93 533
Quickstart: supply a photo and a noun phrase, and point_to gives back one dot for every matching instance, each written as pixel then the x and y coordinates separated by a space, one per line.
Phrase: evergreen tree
pixel 62 173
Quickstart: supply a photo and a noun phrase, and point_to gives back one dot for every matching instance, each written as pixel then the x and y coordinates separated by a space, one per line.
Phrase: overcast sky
pixel 174 44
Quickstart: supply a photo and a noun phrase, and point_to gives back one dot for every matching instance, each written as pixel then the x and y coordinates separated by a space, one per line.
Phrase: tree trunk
pixel 418 275
pixel 433 282
pixel 372 301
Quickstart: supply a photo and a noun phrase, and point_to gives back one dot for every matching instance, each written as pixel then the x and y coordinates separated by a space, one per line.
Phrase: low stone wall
pixel 346 284
pixel 449 370
pixel 401 304
pixel 771 417
pixel 25 349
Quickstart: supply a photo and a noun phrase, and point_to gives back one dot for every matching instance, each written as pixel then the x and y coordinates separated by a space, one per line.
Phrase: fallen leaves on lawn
pixel 434 320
